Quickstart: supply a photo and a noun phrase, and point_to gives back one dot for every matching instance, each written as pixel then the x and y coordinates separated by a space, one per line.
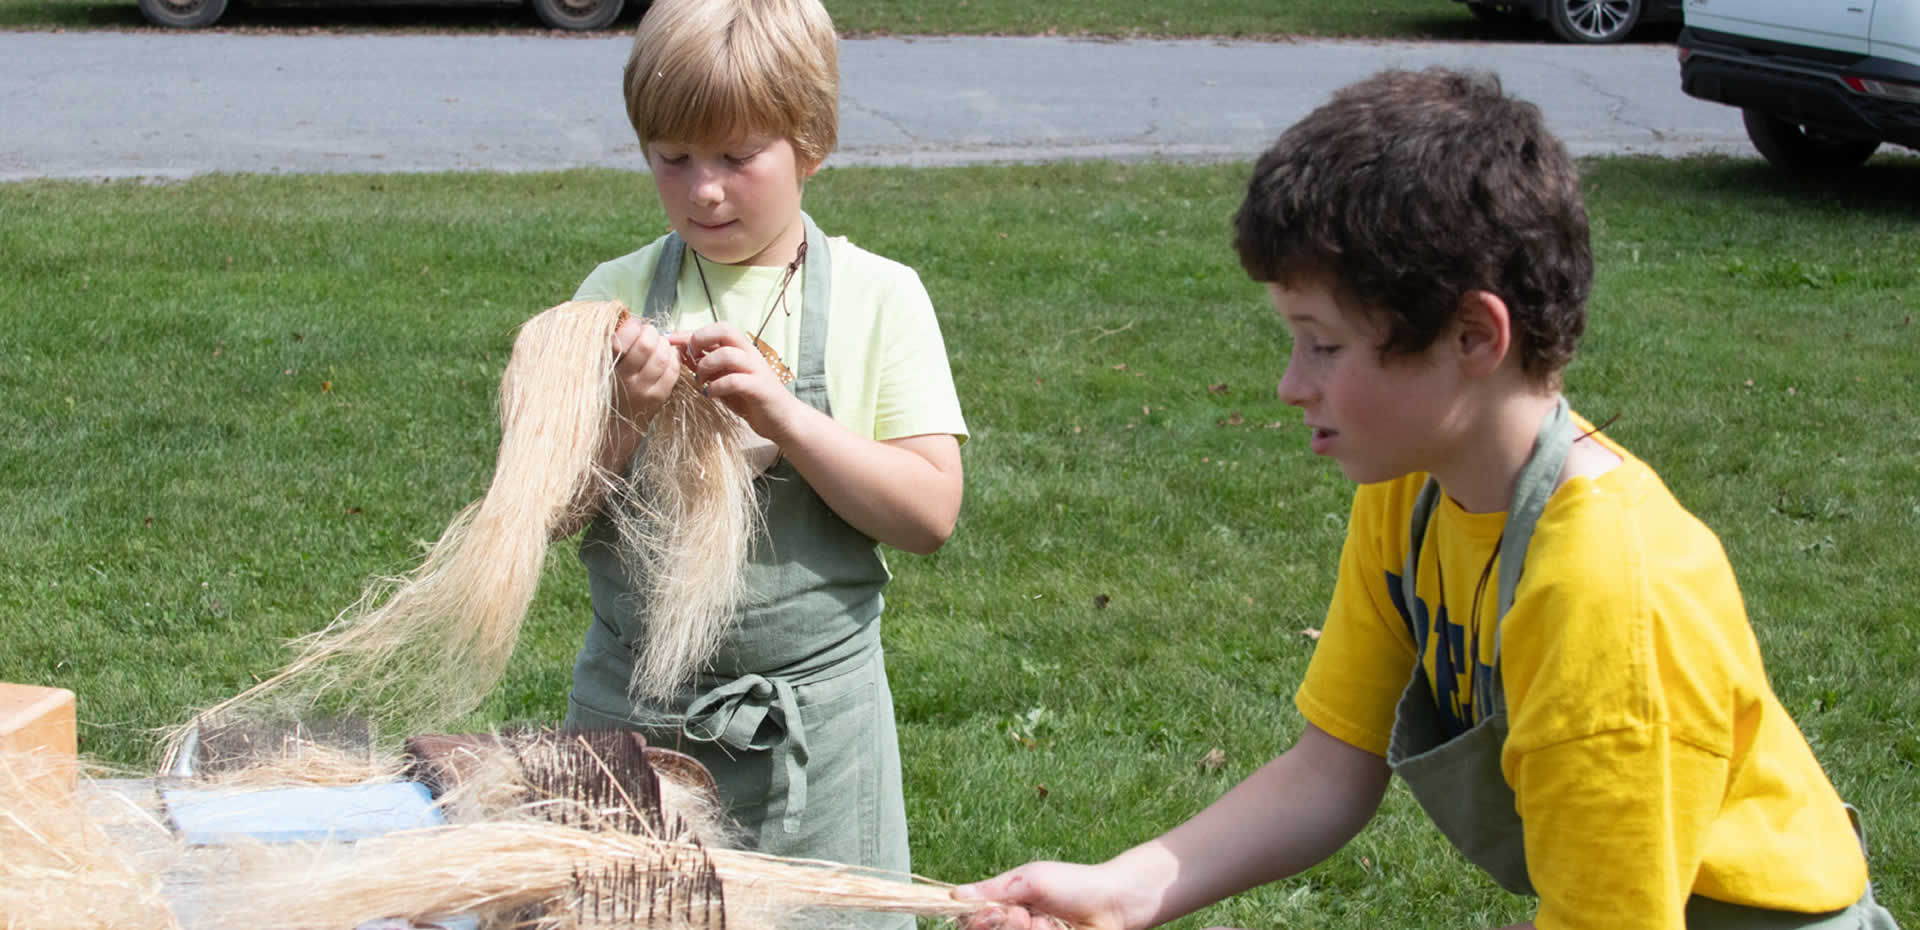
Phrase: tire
pixel 577 15
pixel 183 14
pixel 1593 22
pixel 1795 149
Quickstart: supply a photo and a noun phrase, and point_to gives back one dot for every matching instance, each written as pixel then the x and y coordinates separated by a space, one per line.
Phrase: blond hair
pixel 707 71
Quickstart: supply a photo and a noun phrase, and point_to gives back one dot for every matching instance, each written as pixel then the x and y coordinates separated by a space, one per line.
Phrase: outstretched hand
pixel 1047 896
pixel 732 371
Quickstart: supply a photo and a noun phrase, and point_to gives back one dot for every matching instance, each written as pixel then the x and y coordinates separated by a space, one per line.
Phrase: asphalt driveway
pixel 169 105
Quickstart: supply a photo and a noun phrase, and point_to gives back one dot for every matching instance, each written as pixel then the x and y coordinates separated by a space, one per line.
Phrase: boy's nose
pixel 1292 389
pixel 706 189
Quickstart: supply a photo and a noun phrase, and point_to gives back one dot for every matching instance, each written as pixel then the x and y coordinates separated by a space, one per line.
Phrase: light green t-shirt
pixel 886 365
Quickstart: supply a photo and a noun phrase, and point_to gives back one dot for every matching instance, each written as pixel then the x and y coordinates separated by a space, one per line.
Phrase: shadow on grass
pixel 1884 187
pixel 316 17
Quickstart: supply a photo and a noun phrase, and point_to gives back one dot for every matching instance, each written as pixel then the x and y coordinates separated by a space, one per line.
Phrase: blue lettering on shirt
pixel 1450 658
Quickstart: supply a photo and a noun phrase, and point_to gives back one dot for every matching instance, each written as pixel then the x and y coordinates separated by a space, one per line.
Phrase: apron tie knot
pixel 754 713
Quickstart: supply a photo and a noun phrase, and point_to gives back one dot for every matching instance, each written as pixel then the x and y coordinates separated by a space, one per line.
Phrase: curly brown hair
pixel 1409 189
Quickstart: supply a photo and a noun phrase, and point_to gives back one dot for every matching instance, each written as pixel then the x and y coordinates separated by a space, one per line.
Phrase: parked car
pixel 1583 21
pixel 558 14
pixel 1821 86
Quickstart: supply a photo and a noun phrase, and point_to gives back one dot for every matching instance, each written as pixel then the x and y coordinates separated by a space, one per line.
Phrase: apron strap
pixel 810 374
pixel 664 290
pixel 1530 493
pixel 1409 579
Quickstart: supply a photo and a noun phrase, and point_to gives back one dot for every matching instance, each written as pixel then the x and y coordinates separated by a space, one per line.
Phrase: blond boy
pixel 833 357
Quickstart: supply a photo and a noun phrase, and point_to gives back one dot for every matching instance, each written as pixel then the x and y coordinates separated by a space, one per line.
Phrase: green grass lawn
pixel 227 402
pixel 1392 19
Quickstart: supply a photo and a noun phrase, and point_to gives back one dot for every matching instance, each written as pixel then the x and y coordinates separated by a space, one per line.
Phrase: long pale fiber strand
pixel 495 868
pixel 424 649
pixel 686 522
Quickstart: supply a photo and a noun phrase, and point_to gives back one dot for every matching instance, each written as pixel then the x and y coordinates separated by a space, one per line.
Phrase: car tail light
pixel 1888 89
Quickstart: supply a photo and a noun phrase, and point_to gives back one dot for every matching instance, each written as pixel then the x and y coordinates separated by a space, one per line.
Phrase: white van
pixel 1821 83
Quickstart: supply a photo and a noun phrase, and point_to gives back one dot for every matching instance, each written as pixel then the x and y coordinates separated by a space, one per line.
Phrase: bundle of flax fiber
pixel 418 652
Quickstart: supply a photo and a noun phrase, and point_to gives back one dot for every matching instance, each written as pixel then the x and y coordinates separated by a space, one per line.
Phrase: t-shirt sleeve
pixel 1365 653
pixel 595 287
pixel 914 383
pixel 1615 825
pixel 624 279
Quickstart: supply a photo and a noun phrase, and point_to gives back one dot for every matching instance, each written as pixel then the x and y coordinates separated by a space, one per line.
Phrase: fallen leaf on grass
pixel 1310 633
pixel 1040 790
pixel 1100 601
pixel 1233 418
pixel 1214 760
pixel 1217 388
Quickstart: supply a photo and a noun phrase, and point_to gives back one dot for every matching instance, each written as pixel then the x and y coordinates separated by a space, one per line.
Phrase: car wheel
pixel 578 14
pixel 183 14
pixel 1797 150
pixel 1593 22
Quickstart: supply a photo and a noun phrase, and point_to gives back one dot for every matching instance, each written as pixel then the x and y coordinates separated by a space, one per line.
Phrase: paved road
pixel 106 104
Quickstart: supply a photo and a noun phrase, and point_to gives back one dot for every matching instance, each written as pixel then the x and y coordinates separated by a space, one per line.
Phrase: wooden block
pixel 36 719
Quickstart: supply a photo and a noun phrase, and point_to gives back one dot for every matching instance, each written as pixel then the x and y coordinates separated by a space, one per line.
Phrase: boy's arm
pixel 1295 811
pixel 903 492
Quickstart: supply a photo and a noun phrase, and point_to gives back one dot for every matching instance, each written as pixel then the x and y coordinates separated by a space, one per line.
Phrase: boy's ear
pixel 1483 332
pixel 808 169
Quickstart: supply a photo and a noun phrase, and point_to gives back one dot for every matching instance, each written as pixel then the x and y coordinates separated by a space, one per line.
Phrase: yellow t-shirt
pixel 886 365
pixel 1648 755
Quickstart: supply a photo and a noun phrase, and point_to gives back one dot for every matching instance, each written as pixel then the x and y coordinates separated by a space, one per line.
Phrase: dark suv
pixel 1584 21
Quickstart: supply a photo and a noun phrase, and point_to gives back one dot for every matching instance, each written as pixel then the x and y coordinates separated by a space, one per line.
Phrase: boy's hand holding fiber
pixel 646 366
pixel 1055 896
pixel 731 370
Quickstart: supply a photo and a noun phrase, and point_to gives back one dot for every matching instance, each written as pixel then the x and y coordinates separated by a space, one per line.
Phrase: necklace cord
pixel 1473 613
pixel 778 300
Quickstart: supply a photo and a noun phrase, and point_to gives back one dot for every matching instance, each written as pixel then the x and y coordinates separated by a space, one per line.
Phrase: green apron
pixel 1458 780
pixel 793 716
